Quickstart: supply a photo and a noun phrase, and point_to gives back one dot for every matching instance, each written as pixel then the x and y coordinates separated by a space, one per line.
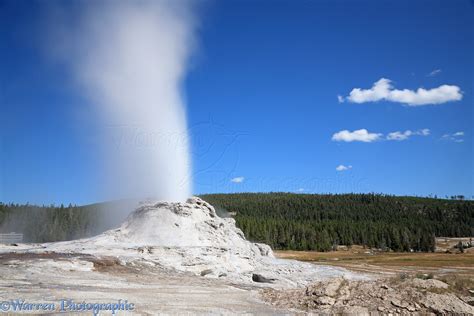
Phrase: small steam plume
pixel 129 58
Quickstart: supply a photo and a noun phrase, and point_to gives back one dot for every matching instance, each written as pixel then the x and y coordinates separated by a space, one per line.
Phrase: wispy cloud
pixel 340 98
pixel 399 135
pixel 237 180
pixel 300 190
pixel 434 73
pixel 343 168
pixel 406 134
pixel 424 132
pixel 384 90
pixel 360 135
pixel 457 137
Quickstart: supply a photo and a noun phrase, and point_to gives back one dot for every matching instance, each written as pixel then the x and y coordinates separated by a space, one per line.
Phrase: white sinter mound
pixel 190 237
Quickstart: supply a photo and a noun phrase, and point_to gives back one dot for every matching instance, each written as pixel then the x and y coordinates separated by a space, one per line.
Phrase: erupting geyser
pixel 130 58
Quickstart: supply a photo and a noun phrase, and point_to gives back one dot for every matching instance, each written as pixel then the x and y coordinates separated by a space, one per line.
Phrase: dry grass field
pixel 365 260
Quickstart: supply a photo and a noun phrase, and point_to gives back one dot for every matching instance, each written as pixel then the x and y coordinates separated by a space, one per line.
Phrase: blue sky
pixel 262 102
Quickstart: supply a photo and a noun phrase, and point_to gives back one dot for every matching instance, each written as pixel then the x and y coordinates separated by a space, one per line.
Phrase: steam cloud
pixel 130 58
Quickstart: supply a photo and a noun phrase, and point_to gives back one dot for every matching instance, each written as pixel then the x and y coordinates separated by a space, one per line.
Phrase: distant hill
pixel 320 222
pixel 282 220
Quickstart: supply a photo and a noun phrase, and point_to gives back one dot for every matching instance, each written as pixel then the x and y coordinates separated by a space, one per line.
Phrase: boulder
pixel 325 300
pixel 447 304
pixel 326 288
pixel 429 284
pixel 261 279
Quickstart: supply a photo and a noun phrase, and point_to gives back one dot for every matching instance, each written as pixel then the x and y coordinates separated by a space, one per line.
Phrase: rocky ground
pixel 49 277
pixel 170 258
pixel 389 296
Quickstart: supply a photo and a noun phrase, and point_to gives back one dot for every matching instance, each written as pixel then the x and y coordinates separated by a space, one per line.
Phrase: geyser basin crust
pixel 190 237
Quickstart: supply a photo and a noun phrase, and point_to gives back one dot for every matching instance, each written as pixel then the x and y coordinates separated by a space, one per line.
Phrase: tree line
pixel 282 220
pixel 49 223
pixel 321 222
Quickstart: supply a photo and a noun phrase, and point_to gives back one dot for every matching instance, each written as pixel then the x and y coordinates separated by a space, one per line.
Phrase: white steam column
pixel 130 58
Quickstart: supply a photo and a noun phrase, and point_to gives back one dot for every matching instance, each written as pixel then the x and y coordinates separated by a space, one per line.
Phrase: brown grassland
pixel 365 260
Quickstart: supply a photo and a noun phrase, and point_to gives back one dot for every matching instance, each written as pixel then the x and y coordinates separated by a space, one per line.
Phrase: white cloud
pixel 434 72
pixel 379 91
pixel 406 134
pixel 300 190
pixel 343 168
pixel 383 90
pixel 360 135
pixel 399 135
pixel 340 98
pixel 424 132
pixel 237 180
pixel 455 137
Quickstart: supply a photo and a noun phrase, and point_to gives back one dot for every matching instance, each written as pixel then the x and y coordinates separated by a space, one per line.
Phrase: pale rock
pixel 355 310
pixel 325 300
pixel 327 288
pixel 398 303
pixel 429 284
pixel 447 303
pixel 411 308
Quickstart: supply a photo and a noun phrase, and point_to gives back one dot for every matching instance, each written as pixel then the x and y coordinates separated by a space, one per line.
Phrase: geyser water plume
pixel 130 58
